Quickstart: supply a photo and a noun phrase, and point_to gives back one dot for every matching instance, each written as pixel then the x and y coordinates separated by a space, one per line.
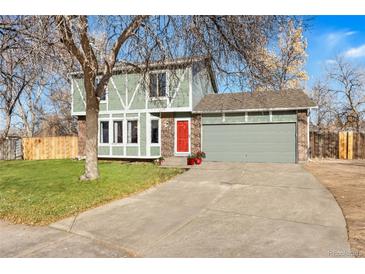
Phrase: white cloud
pixel 334 38
pixel 349 33
pixel 356 52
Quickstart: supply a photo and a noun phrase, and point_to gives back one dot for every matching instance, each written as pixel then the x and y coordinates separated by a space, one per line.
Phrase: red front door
pixel 182 138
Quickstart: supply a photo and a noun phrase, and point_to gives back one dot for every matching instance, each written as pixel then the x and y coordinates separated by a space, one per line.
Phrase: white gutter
pixel 253 109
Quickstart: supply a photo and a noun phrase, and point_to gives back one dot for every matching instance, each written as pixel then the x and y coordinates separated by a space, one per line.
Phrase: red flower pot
pixel 191 161
pixel 198 161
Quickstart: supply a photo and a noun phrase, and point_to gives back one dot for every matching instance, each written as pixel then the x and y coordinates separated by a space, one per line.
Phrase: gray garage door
pixel 254 143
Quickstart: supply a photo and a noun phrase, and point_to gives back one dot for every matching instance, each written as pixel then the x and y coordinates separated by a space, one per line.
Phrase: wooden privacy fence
pixel 339 145
pixel 43 148
pixel 11 149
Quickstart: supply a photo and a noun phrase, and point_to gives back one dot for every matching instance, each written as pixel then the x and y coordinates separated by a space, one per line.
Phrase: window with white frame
pixel 132 132
pixel 158 84
pixel 155 138
pixel 117 132
pixel 104 132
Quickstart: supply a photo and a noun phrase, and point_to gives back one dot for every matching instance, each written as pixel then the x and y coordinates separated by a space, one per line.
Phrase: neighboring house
pixel 176 111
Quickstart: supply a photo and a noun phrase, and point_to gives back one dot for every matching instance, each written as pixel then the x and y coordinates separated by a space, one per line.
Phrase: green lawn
pixel 41 192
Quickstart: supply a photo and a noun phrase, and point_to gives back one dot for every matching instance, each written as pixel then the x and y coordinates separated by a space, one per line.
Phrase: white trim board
pixel 182 109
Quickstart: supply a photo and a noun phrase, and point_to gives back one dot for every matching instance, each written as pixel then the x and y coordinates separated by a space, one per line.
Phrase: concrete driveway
pixel 217 210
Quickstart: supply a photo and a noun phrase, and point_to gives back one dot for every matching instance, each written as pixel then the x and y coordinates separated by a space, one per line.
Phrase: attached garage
pixel 256 143
pixel 261 127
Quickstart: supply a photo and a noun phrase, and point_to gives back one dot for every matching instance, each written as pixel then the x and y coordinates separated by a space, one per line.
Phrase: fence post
pixel 342 145
pixel 350 145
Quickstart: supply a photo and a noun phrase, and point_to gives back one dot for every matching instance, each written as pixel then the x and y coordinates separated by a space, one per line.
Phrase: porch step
pixel 174 161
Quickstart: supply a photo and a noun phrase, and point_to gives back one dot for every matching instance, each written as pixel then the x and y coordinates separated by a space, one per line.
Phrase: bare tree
pixel 59 119
pixel 13 81
pixel 348 88
pixel 97 43
pixel 29 66
pixel 324 116
pixel 30 111
pixel 17 66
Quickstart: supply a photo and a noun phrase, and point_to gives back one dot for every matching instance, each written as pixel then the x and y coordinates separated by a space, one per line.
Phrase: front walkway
pixel 217 210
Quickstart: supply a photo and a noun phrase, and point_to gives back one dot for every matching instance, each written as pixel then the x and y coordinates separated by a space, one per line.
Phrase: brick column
pixel 195 133
pixel 167 134
pixel 302 135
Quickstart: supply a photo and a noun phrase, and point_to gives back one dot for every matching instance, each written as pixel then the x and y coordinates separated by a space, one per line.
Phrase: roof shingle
pixel 253 101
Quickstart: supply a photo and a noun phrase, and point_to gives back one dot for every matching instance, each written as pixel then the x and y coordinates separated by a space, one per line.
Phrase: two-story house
pixel 175 110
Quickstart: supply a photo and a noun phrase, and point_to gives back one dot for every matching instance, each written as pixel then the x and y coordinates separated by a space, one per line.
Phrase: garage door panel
pixel 250 142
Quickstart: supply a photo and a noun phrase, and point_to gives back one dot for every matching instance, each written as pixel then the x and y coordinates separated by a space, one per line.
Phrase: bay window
pixel 104 132
pixel 132 132
pixel 117 132
pixel 155 131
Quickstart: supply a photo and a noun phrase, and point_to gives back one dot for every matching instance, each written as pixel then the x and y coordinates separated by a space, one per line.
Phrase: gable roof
pixel 263 100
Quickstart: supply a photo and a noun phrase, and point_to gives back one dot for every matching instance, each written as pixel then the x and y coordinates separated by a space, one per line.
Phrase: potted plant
pixel 199 157
pixel 191 160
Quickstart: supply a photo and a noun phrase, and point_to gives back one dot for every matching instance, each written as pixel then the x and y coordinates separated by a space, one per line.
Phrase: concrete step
pixel 174 161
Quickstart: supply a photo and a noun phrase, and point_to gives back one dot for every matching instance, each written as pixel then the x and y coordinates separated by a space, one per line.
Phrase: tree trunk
pixel 7 126
pixel 91 148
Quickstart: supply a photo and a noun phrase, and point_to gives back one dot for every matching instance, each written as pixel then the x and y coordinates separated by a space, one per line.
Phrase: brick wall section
pixel 167 134
pixel 302 137
pixel 195 133
pixel 81 129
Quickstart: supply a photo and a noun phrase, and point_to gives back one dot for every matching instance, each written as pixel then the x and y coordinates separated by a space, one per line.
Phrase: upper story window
pixel 158 86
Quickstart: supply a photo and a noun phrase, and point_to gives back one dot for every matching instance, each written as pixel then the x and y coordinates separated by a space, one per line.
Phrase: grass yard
pixel 346 180
pixel 41 192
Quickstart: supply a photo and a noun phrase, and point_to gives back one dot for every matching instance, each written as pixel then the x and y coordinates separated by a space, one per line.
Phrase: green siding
pixel 115 92
pixel 250 142
pixel 103 106
pixel 234 118
pixel 258 117
pixel 214 118
pixel 284 116
pixel 155 151
pixel 78 90
pixel 201 84
pixel 103 150
pixel 179 88
pixel 136 92
pixel 252 117
pixel 142 133
pixel 118 115
pixel 152 103
pixel 131 115
pixel 132 151
pixel 103 116
pixel 117 151
pixel 131 89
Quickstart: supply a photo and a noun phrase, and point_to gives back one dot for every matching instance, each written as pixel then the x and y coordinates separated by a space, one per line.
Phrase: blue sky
pixel 329 36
